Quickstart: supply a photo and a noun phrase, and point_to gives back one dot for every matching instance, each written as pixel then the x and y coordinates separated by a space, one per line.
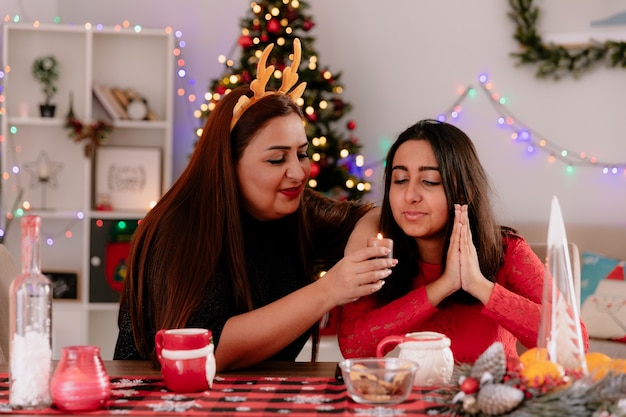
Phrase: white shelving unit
pixel 122 57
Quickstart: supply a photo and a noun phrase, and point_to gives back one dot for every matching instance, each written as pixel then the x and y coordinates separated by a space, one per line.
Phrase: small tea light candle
pixel 381 241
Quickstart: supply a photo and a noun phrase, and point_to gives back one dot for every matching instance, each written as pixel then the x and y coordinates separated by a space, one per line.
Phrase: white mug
pixel 431 350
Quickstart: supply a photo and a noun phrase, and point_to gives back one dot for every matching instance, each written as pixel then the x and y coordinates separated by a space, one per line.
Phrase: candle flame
pixel 380 236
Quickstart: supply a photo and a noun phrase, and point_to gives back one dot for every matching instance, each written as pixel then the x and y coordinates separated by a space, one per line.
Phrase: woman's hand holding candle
pixel 360 273
pixel 381 241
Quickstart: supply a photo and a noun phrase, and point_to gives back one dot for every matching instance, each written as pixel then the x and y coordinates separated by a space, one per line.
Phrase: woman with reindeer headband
pixel 232 245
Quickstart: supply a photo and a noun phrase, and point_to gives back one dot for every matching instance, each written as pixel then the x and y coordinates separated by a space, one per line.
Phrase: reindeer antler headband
pixel 290 77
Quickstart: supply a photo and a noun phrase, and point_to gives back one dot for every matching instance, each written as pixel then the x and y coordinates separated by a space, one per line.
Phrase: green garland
pixel 554 60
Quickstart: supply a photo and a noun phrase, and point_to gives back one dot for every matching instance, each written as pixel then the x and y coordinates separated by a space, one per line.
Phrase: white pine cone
pixel 495 399
pixel 491 360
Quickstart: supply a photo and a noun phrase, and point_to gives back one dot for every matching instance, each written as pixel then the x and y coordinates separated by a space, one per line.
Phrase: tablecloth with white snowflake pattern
pixel 246 396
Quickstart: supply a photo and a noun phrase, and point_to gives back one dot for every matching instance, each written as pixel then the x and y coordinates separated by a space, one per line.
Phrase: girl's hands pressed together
pixel 472 279
pixel 450 280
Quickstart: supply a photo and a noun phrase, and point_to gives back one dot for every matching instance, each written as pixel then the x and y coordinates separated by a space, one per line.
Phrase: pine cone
pixel 495 399
pixel 491 360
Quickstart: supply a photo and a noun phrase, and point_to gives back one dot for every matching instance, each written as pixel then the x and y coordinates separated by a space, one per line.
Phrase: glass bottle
pixel 30 306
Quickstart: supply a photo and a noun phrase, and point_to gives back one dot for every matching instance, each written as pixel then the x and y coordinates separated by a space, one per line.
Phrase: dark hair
pixel 196 226
pixel 464 182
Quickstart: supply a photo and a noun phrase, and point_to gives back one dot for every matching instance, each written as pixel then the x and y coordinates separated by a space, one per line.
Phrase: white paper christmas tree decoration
pixel 559 329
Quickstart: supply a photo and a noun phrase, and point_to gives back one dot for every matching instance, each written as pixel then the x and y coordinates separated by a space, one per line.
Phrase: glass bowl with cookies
pixel 378 381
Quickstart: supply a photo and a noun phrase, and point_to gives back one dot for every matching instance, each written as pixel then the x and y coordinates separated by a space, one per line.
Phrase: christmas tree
pixel 336 165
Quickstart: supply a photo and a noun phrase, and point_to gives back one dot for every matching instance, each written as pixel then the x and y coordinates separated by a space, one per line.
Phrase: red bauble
pixel 245 41
pixel 307 25
pixel 351 125
pixel 338 105
pixel 513 365
pixel 470 385
pixel 292 14
pixel 273 26
pixel 220 89
pixel 315 170
pixel 246 77
pixel 312 117
pixel 264 37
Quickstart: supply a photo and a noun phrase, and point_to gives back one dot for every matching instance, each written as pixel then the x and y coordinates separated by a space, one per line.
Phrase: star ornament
pixel 43 171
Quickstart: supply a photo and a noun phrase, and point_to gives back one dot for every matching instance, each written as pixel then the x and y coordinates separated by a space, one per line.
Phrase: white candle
pixel 43 171
pixel 381 241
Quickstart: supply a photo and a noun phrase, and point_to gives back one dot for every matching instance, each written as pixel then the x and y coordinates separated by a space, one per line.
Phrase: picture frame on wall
pixel 65 285
pixel 127 178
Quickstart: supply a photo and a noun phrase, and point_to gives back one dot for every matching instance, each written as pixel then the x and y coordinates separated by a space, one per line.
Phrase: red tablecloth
pixel 252 396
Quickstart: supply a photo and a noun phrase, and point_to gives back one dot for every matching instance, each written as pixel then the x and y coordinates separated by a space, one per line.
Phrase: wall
pixel 405 60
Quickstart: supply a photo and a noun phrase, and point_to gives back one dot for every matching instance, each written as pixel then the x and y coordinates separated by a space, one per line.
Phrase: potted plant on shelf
pixel 46 71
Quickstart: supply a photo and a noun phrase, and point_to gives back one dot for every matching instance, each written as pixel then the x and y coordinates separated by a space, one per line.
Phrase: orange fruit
pixel 618 366
pixel 597 364
pixel 542 371
pixel 533 355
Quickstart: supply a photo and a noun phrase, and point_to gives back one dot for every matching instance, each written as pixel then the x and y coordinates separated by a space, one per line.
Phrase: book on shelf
pixel 109 102
pixel 121 96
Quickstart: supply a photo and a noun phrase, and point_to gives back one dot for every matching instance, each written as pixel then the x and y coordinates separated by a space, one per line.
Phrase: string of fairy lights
pixel 521 133
pixel 185 85
pixel 184 89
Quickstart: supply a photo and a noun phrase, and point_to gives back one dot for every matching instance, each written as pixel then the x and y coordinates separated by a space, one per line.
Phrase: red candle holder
pixel 80 381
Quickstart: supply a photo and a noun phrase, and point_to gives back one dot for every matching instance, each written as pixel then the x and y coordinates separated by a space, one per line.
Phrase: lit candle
pixel 381 241
pixel 43 171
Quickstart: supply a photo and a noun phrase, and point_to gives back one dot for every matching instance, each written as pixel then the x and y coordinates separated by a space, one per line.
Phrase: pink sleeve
pixel 362 324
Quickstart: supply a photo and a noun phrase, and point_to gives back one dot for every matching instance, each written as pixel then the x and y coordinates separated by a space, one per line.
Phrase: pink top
pixel 512 312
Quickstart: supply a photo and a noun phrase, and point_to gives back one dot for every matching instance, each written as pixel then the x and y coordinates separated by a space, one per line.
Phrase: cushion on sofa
pixel 603 296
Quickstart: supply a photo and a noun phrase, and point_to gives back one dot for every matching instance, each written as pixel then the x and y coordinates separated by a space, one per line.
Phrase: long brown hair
pixel 465 182
pixel 196 226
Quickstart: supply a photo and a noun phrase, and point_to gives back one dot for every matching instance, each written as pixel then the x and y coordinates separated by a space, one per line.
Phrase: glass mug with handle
pixel 186 358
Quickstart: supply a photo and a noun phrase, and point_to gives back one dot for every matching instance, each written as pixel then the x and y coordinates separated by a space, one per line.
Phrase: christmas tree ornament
pixel 292 14
pixel 315 170
pixel 245 41
pixel 273 26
